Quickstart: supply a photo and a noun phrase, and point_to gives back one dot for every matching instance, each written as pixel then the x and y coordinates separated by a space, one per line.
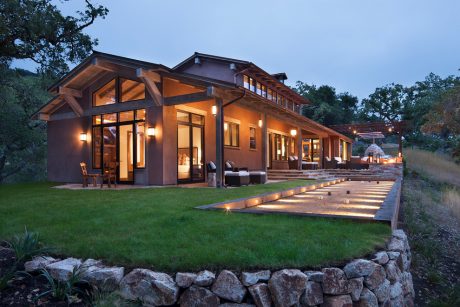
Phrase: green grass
pixel 159 228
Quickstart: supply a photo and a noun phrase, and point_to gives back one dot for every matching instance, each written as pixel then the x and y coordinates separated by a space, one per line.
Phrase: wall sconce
pixel 83 137
pixel 354 131
pixel 293 132
pixel 260 123
pixel 225 126
pixel 151 131
pixel 214 110
pixel 390 129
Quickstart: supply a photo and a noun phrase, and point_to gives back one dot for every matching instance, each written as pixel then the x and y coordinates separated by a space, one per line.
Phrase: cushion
pixel 291 158
pixel 257 173
pixel 328 159
pixel 338 159
pixel 237 174
pixel 309 163
pixel 228 165
pixel 212 165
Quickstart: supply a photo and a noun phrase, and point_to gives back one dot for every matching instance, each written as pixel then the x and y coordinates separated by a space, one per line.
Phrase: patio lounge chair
pixel 340 163
pixel 86 175
pixel 293 162
pixel 330 163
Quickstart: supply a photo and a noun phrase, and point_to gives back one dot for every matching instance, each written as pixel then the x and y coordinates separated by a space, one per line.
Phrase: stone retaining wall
pixel 391 171
pixel 383 280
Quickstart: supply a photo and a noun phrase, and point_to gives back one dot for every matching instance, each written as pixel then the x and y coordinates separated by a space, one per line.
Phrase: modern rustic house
pixel 161 125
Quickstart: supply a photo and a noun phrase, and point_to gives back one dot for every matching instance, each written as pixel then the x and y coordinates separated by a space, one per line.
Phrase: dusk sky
pixel 354 46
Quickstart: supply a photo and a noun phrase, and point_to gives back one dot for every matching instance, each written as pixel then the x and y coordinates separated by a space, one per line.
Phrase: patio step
pixel 360 175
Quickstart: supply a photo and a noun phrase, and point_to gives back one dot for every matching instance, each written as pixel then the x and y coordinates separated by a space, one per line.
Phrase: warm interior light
pixel 390 129
pixel 214 110
pixel 293 132
pixel 354 131
pixel 225 126
pixel 151 131
pixel 83 137
pixel 260 123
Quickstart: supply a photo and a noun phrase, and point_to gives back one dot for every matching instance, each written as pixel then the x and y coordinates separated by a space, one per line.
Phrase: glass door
pixel 109 146
pixel 190 145
pixel 126 155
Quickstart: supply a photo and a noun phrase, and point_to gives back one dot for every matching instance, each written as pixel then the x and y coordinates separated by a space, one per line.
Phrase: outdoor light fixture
pixel 151 131
pixel 83 137
pixel 390 129
pixel 260 123
pixel 225 126
pixel 293 132
pixel 214 110
pixel 354 131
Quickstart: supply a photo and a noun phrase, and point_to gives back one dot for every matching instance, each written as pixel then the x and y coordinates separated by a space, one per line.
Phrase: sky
pixel 354 46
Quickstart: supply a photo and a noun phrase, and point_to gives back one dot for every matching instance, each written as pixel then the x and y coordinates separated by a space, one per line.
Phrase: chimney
pixel 280 77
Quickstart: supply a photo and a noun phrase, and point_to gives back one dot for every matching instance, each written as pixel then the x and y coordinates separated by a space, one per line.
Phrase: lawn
pixel 159 228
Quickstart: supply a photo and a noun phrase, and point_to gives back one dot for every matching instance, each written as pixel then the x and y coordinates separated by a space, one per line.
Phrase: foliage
pixel 69 290
pixel 327 107
pixel 37 30
pixel 22 140
pixel 34 30
pixel 26 246
pixel 386 103
pixel 161 228
pixel 101 298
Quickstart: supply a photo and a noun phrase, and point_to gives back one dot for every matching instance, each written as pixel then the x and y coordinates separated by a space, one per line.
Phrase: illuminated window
pixel 269 94
pixel 126 116
pixel 252 85
pixel 140 143
pixel 259 89
pixel 264 91
pixel 252 138
pixel 231 134
pixel 246 81
pixel 105 95
pixel 131 90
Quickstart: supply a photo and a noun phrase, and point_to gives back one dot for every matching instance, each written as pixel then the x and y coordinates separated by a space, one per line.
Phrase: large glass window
pixel 231 134
pixel 252 84
pixel 105 95
pixel 252 138
pixel 140 145
pixel 131 90
pixel 119 90
pixel 259 89
pixel 264 91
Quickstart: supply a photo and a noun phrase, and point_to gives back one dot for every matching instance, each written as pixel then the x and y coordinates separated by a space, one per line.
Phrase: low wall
pixel 381 280
pixel 392 171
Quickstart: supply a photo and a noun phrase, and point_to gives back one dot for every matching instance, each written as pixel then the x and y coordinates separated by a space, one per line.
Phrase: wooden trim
pixel 191 110
pixel 73 103
pixel 149 78
pixel 69 91
pixel 187 98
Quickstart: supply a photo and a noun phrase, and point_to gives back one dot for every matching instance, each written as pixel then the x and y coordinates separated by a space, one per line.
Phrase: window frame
pixel 117 92
pixel 230 126
pixel 117 124
pixel 255 138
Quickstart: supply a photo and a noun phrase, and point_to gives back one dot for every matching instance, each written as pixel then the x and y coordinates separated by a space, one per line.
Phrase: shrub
pixel 26 246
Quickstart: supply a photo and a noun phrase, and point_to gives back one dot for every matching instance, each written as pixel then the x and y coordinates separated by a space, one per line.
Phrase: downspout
pixel 222 166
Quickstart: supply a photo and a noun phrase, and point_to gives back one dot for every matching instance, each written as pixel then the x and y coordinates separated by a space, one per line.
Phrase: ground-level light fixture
pixel 214 110
pixel 260 123
pixel 83 137
pixel 151 131
pixel 293 132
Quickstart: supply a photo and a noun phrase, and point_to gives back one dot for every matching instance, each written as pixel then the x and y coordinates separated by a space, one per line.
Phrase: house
pixel 161 125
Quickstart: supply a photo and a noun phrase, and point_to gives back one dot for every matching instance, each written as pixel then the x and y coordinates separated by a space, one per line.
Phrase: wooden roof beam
pixel 149 78
pixel 73 103
pixel 69 91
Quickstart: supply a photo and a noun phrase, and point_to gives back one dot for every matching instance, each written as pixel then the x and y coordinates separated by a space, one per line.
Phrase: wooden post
pixel 219 144
pixel 299 148
pixel 264 142
pixel 321 153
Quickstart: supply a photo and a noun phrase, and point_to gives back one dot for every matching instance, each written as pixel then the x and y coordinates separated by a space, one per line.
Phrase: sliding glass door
pixel 190 158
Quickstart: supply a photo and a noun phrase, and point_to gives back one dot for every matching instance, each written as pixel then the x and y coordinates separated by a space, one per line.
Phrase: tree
pixel 37 30
pixel 327 107
pixel 386 103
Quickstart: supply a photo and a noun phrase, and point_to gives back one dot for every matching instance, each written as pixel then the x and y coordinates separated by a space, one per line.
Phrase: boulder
pixel 393 272
pixel 408 301
pixel 204 278
pixel 229 287
pixel 91 262
pixel 397 302
pixel 335 282
pixel 396 245
pixel 198 297
pixel 236 305
pixel 359 268
pixel 376 278
pixel 405 262
pixel 286 287
pixel 152 288
pixel 38 263
pixel 407 284
pixel 185 280
pixel 400 234
pixel 393 255
pixel 103 277
pixel 381 258
pixel 313 294
pixel 249 279
pixel 355 286
pixel 367 299
pixel 315 276
pixel 382 292
pixel 261 295
pixel 63 270
pixel 396 290
pixel 337 301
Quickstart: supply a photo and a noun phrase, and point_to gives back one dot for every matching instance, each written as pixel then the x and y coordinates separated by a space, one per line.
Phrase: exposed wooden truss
pixel 384 128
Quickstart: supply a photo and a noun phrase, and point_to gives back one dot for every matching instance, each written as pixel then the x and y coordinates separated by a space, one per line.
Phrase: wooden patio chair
pixel 109 174
pixel 86 175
